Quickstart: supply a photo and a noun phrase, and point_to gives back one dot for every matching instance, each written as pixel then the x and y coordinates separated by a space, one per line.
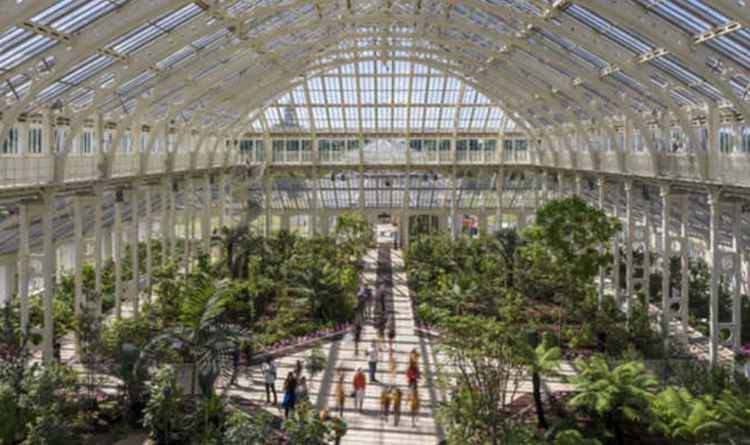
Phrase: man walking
pixel 269 378
pixel 373 354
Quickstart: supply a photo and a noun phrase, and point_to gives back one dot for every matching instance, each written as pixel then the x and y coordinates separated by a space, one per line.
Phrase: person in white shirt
pixel 269 378
pixel 373 354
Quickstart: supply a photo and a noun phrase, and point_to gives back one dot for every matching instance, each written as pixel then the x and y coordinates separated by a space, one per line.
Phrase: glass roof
pixel 215 63
pixel 384 95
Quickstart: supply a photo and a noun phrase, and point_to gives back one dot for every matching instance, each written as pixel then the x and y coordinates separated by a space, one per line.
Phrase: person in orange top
pixel 414 406
pixel 340 394
pixel 360 384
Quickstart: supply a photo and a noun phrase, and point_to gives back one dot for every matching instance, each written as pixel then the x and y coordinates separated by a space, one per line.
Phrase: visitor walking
pixel 391 331
pixel 414 406
pixel 357 336
pixel 413 375
pixel 269 379
pixel 361 301
pixel 373 354
pixel 385 401
pixel 340 394
pixel 298 369
pixel 368 302
pixel 396 396
pixel 360 385
pixel 392 365
pixel 413 356
pixel 290 393
pixel 303 394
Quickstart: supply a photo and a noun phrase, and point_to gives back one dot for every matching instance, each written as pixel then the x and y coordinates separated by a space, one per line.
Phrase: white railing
pixel 126 164
pixel 82 167
pixel 155 163
pixel 26 170
pixel 181 161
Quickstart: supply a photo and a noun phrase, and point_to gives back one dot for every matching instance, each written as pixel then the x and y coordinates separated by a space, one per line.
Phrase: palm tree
pixel 544 360
pixel 202 337
pixel 613 395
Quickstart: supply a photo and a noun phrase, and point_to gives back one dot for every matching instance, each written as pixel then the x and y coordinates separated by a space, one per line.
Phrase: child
pixel 414 406
pixel 396 406
pixel 385 401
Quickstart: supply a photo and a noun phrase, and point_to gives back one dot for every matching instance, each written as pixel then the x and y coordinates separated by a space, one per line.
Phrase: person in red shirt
pixel 413 375
pixel 360 385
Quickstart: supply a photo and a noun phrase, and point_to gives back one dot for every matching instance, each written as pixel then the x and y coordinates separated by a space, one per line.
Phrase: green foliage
pixel 163 412
pixel 243 429
pixel 488 358
pixel 574 437
pixel 679 415
pixel 10 414
pixel 47 405
pixel 316 361
pixel 613 395
pixel 305 428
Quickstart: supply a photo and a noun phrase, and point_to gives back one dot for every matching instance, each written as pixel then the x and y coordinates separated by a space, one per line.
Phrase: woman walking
pixel 391 331
pixel 396 396
pixel 340 394
pixel 357 336
pixel 269 379
pixel 413 375
pixel 303 394
pixel 360 384
pixel 290 394
pixel 414 406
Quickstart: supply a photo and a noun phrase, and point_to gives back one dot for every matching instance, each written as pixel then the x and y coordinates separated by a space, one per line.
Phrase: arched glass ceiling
pixel 384 95
pixel 193 62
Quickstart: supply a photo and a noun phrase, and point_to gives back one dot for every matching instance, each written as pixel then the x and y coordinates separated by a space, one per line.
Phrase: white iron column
pixel 98 246
pixel 616 257
pixel 545 186
pixel 24 254
pixel 666 246
pixel 629 237
pixel 48 266
pixel 405 205
pixel 578 181
pixel 715 267
pixel 684 263
pixel 79 243
pixel 118 255
pixel 267 204
pixel 135 284
pixel 454 205
pixel 173 221
pixel 187 218
pixel 602 186
pixel 207 209
pixel 149 254
pixel 222 198
pixel 739 248
pixel 499 188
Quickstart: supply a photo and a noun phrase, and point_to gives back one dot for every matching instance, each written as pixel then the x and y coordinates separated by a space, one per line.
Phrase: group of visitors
pixel 295 386
pixel 390 396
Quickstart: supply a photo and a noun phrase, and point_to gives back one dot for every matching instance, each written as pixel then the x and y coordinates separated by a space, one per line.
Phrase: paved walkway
pixel 370 427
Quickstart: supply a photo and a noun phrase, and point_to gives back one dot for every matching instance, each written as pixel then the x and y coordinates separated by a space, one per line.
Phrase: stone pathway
pixel 369 427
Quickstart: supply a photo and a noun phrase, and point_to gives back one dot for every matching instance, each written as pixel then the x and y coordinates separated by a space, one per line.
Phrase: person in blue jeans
pixel 290 394
pixel 373 354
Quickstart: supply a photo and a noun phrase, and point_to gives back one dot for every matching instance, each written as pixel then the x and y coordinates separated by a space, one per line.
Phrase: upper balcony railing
pixel 34 169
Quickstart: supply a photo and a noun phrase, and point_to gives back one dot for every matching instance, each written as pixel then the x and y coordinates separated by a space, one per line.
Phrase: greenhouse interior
pixel 386 222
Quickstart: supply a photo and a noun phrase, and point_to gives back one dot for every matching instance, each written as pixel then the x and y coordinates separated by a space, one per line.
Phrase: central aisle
pixel 369 428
